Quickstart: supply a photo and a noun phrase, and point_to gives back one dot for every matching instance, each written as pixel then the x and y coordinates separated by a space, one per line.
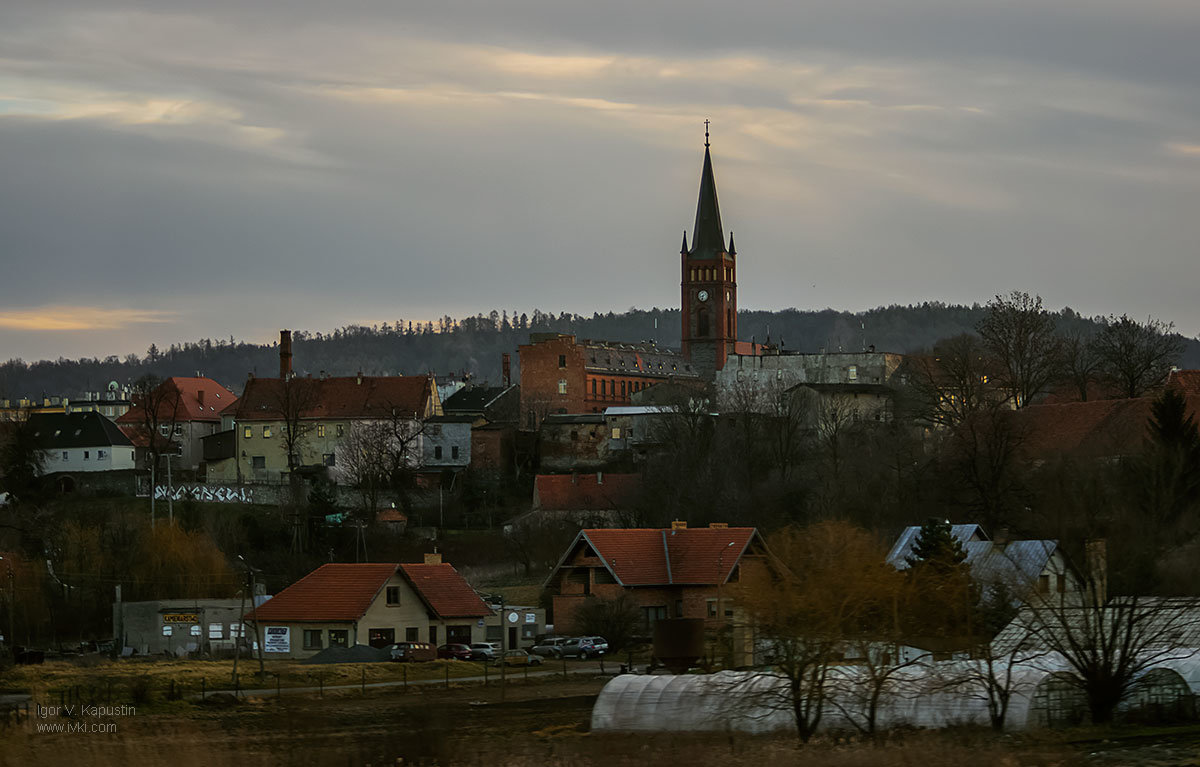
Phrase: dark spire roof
pixel 732 250
pixel 708 239
pixel 684 250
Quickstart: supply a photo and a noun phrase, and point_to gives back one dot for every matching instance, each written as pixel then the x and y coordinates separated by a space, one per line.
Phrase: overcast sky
pixel 179 169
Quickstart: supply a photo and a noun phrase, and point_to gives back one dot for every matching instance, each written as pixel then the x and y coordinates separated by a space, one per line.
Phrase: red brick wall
pixel 540 375
pixel 492 451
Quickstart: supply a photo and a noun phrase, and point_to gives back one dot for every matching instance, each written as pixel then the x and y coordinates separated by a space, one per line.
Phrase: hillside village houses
pixel 377 604
pixel 187 409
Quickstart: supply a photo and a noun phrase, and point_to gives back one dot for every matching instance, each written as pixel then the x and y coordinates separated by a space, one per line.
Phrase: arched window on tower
pixel 729 322
pixel 702 323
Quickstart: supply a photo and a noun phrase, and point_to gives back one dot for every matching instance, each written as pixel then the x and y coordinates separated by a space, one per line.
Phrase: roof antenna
pixel 706 134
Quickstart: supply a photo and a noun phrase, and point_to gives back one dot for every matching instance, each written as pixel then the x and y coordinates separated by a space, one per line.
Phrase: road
pixel 589 668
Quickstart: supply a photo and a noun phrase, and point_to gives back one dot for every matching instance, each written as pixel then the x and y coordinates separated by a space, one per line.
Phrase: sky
pixel 183 169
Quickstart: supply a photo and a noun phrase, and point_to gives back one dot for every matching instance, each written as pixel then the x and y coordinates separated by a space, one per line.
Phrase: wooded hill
pixel 452 347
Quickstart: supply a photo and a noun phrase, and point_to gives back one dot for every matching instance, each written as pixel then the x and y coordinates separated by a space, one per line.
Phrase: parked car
pixel 550 647
pixel 583 647
pixel 519 658
pixel 485 650
pixel 412 652
pixel 454 652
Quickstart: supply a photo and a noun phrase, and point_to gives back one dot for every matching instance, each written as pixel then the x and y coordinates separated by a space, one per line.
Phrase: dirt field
pixel 543 722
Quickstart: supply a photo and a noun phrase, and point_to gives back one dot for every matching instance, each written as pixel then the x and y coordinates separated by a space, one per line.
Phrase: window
pixel 247 433
pixel 593 387
pixel 164 429
pixel 258 462
pixel 433 635
pixel 66 455
pixel 454 451
pixel 1062 584
pixel 1043 586
pixel 562 386
pixel 437 452
pixel 312 639
pixel 178 429
pixel 678 608
pixel 529 631
pixel 339 637
pixel 216 631
pixel 393 596
pixel 327 459
pixel 101 455
pixel 616 432
pixel 712 608
pixel 622 389
pixel 651 615
pixel 603 388
pixel 411 634
pixel 236 631
pixel 853 372
pixel 341 430
pixel 562 360
pixel 266 432
pixel 381 637
pixel 321 430
pixel 87 454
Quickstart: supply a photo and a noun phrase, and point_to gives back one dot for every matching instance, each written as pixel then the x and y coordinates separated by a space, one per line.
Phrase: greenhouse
pixel 1043 695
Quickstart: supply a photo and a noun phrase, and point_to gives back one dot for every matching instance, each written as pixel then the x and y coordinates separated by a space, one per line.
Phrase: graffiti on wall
pixel 217 494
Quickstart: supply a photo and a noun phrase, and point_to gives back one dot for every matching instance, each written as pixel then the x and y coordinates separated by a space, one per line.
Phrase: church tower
pixel 709 281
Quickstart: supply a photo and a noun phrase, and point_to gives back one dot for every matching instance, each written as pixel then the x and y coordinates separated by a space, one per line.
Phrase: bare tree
pixel 1019 334
pixel 944 387
pixel 158 415
pixel 1135 356
pixel 381 455
pixel 292 400
pixel 1081 364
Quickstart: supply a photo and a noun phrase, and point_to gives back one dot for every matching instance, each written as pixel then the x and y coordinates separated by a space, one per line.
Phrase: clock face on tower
pixel 702 295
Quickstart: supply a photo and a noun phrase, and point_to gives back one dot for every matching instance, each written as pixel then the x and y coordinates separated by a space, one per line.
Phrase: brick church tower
pixel 709 281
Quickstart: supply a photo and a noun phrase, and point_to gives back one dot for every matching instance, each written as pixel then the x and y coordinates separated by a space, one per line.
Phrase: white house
pixel 81 442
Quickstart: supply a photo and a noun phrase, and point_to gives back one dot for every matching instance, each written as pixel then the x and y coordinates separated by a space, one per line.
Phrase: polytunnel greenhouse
pixel 1043 695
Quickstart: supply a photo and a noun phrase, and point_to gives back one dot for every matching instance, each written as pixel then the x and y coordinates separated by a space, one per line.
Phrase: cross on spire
pixel 706 133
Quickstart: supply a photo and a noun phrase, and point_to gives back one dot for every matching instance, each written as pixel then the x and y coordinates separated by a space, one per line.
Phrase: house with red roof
pixel 679 572
pixel 342 604
pixel 325 413
pixel 187 409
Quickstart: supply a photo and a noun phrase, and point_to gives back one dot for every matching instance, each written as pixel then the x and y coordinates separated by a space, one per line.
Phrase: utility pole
pixel 170 489
pixel 153 491
pixel 257 637
pixel 241 633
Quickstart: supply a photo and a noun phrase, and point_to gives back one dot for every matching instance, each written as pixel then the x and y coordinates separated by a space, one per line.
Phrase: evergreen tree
pixel 936 546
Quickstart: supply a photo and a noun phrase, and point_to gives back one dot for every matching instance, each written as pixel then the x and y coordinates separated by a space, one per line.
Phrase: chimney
pixel 200 397
pixel 1001 537
pixel 433 559
pixel 358 379
pixel 1096 554
pixel 285 354
pixel 599 478
pixel 506 369
pixel 678 524
pixel 718 525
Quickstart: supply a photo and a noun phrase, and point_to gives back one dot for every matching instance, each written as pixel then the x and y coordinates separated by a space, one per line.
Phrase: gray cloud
pixel 239 167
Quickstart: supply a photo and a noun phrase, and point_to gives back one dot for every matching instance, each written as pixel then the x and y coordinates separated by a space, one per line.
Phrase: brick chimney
pixel 506 370
pixel 679 524
pixel 433 559
pixel 1002 537
pixel 285 354
pixel 718 525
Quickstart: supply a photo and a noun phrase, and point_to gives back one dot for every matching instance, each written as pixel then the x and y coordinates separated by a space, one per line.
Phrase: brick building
pixel 676 573
pixel 562 375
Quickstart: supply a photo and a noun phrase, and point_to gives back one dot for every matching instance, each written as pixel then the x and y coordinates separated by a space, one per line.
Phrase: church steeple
pixel 708 282
pixel 708 238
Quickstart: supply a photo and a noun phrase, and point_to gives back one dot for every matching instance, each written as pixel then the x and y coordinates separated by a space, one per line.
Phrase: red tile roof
pixel 1186 381
pixel 445 592
pixel 650 557
pixel 353 397
pixel 200 399
pixel 585 492
pixel 1100 428
pixel 332 592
